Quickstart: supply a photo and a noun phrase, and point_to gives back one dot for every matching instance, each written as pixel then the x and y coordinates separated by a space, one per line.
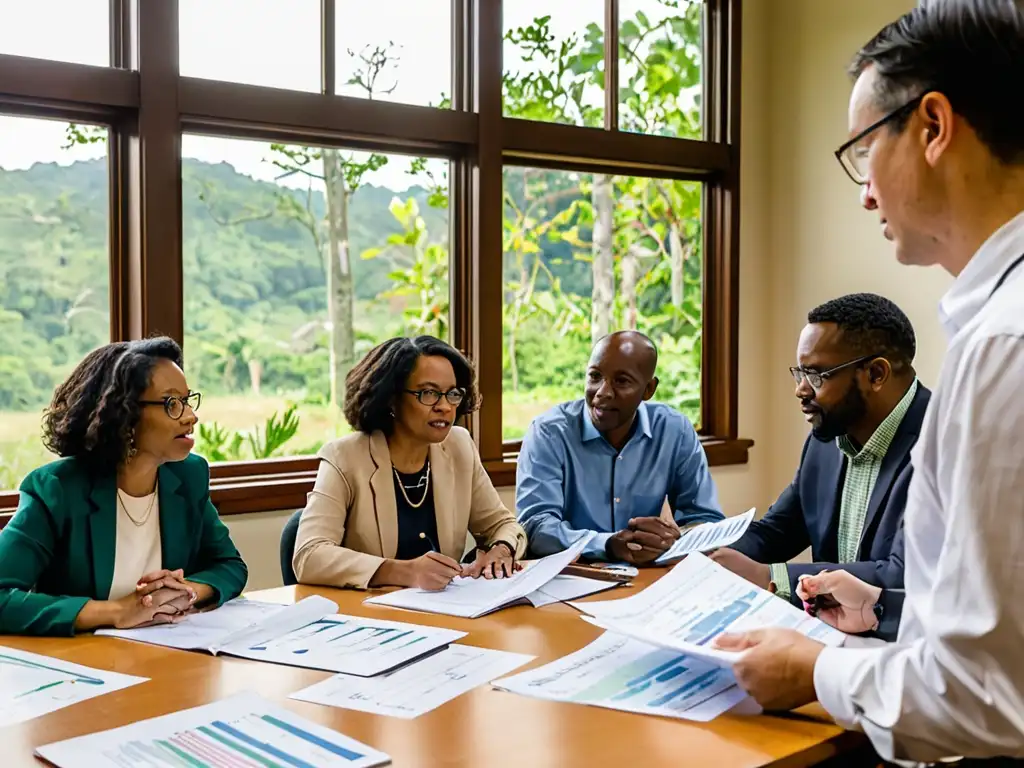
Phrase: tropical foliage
pixel 286 286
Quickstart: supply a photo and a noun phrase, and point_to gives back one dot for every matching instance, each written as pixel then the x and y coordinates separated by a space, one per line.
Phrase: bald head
pixel 629 345
pixel 620 376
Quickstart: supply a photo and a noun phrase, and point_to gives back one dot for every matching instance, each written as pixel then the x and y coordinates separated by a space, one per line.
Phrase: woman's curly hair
pixel 377 380
pixel 93 413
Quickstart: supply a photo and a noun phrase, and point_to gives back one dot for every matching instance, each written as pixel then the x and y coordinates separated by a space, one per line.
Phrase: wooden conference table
pixel 484 728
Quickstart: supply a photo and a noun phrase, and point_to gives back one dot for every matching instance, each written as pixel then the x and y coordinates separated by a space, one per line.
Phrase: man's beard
pixel 836 420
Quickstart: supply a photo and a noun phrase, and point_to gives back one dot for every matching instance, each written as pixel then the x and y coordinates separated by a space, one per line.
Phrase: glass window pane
pixel 54 273
pixel 77 31
pixel 554 62
pixel 661 56
pixel 399 50
pixel 274 43
pixel 269 332
pixel 588 254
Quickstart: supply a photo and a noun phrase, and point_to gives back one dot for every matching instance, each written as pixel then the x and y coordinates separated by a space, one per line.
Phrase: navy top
pixel 410 489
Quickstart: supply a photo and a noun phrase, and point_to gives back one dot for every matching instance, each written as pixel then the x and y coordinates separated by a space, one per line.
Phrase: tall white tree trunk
pixel 677 256
pixel 340 290
pixel 630 275
pixel 603 265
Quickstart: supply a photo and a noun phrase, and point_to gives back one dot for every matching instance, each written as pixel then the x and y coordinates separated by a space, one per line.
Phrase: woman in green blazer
pixel 120 531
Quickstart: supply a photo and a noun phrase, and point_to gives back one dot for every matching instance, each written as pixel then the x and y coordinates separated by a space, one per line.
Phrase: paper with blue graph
pixel 616 672
pixel 687 608
pixel 708 536
pixel 32 685
pixel 239 732
pixel 348 644
pixel 306 634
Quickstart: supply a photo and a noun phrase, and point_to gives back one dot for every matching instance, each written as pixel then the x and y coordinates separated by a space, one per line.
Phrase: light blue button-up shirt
pixel 570 479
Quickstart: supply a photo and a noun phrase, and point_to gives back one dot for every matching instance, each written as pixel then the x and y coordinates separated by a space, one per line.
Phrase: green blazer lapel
pixel 174 522
pixel 103 533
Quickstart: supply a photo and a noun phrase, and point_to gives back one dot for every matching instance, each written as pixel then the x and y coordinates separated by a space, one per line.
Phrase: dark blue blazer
pixel 807 512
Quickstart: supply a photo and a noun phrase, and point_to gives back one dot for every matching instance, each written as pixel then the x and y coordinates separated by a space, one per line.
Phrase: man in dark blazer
pixel 858 390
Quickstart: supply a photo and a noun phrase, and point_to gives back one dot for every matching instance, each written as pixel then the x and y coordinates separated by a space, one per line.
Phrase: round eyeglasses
pixel 175 406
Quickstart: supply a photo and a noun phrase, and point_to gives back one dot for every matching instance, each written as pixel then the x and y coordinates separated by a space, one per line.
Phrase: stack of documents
pixel 685 610
pixel 307 634
pixel 243 730
pixel 706 537
pixel 471 598
pixel 657 656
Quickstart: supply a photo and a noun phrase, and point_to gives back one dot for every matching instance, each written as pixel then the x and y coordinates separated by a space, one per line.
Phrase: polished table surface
pixel 484 728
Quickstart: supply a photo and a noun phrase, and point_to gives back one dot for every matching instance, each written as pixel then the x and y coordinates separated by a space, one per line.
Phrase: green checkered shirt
pixel 861 473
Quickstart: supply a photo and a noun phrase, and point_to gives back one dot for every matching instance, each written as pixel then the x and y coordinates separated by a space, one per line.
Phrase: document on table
pixel 243 730
pixel 697 601
pixel 349 644
pixel 563 588
pixel 706 537
pixel 471 598
pixel 617 672
pixel 32 685
pixel 307 634
pixel 213 630
pixel 417 688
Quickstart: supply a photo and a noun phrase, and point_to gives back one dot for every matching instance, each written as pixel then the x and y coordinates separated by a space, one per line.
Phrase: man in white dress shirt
pixel 937 127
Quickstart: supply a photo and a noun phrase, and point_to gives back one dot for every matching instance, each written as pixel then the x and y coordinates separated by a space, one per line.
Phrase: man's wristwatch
pixel 878 609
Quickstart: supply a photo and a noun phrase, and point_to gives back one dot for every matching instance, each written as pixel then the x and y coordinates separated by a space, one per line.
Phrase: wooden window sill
pixel 245 487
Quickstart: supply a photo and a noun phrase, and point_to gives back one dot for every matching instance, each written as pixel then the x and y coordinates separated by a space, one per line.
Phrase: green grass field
pixel 21 449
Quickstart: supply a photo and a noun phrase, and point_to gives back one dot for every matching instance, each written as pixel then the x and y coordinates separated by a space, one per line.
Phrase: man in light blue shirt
pixel 607 463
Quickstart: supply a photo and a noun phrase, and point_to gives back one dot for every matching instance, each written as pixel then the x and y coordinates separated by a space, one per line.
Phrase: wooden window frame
pixel 142 94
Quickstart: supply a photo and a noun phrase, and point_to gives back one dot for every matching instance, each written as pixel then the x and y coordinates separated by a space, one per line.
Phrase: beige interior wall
pixel 804 239
pixel 822 243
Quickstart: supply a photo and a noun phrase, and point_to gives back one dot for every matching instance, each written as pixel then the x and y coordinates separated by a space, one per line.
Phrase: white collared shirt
pixel 953 683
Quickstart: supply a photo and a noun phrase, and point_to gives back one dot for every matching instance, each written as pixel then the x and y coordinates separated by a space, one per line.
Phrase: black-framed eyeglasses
pixel 175 406
pixel 853 155
pixel 817 378
pixel 454 396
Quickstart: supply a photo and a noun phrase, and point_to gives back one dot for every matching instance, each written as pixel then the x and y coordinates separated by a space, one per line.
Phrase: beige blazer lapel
pixel 383 488
pixel 442 472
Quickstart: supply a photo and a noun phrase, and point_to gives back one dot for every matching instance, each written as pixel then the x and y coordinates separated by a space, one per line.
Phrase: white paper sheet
pixel 237 621
pixel 32 685
pixel 226 733
pixel 697 601
pixel 417 688
pixel 471 598
pixel 709 536
pixel 349 644
pixel 564 588
pixel 202 631
pixel 618 673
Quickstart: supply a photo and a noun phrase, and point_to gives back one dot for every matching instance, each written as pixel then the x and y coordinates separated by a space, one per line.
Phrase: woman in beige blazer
pixel 392 502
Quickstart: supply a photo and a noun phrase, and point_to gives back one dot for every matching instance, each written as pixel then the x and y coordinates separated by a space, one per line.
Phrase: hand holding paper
pixel 775 666
pixel 707 537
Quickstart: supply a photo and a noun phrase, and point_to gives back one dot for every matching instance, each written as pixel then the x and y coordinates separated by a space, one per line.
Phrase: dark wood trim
pixel 121 34
pixel 233 470
pixel 59 83
pixel 328 47
pixel 487 202
pixel 154 267
pixel 720 342
pixel 317 118
pixel 611 65
pixel 528 142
